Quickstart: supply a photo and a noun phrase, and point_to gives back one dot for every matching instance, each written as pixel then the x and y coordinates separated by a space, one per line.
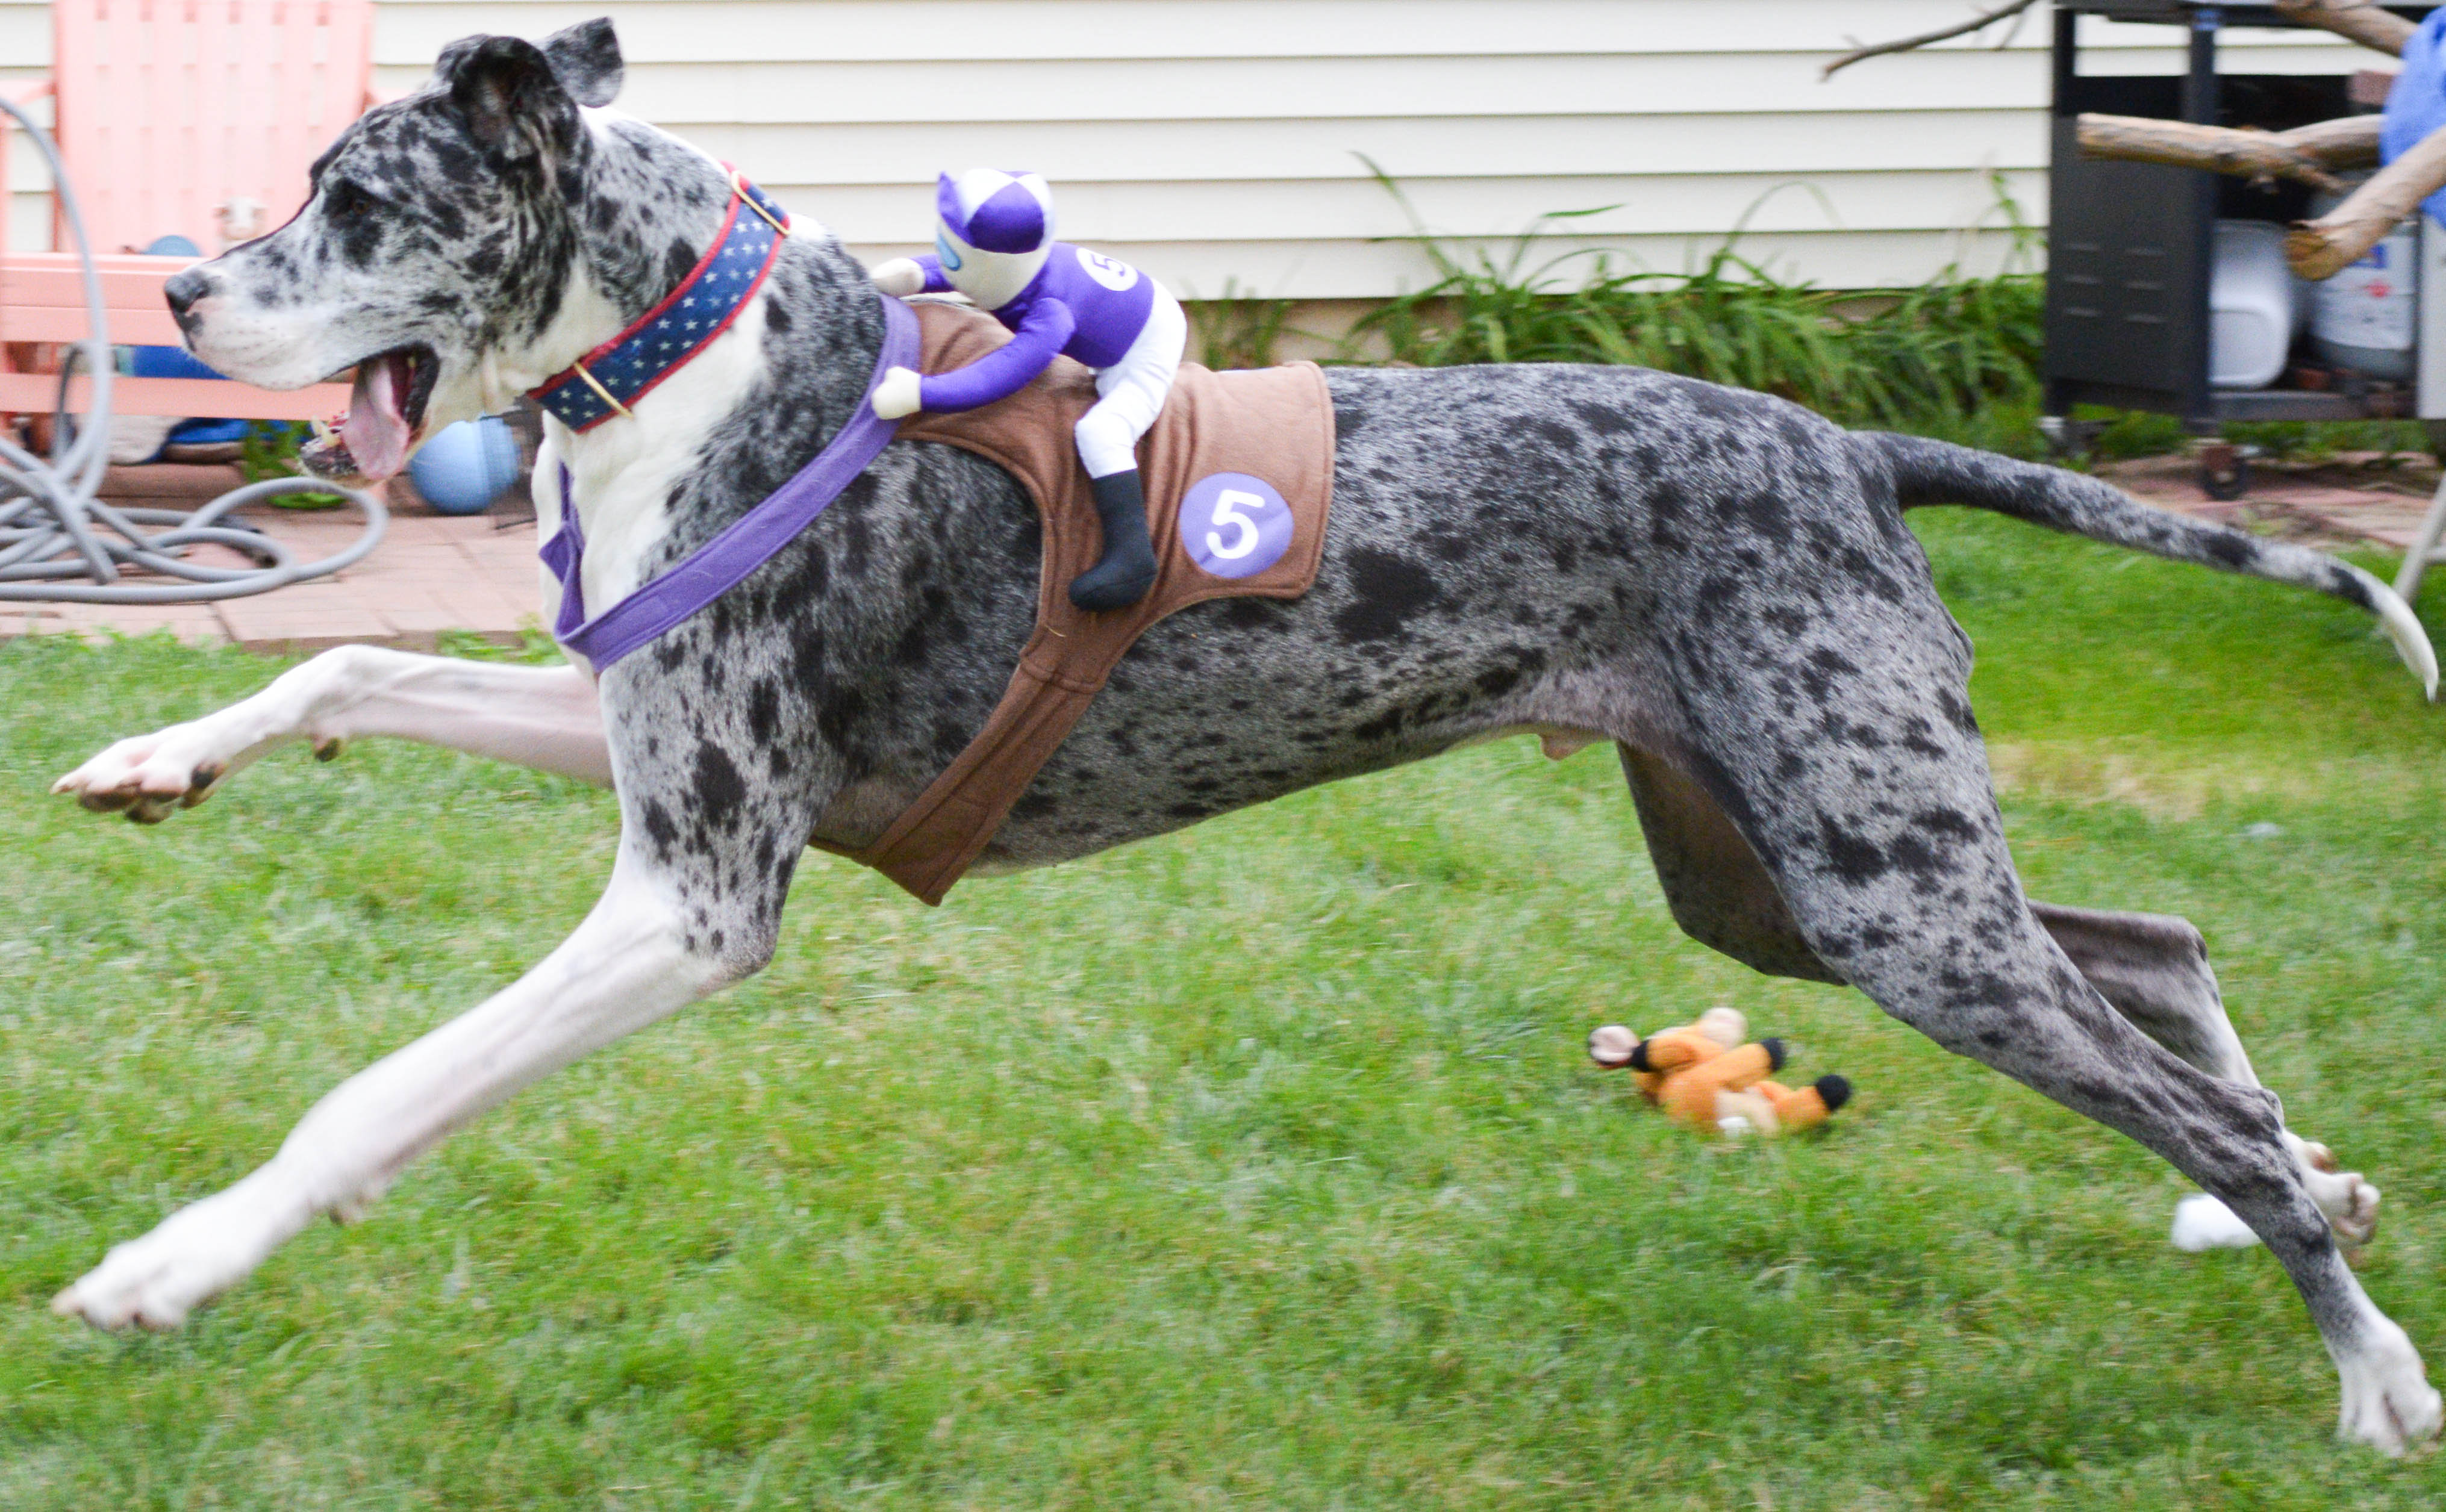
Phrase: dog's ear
pixel 586 59
pixel 506 90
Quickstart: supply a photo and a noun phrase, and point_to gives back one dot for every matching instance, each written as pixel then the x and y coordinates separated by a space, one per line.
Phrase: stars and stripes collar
pixel 615 375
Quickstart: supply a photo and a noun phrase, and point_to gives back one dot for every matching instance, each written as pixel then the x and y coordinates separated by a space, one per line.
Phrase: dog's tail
pixel 1926 472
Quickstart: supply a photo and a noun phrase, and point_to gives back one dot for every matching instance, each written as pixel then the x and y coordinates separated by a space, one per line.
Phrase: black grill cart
pixel 2130 243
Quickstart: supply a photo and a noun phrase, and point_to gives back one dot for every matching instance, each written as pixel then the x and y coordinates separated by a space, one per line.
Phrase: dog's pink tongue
pixel 375 430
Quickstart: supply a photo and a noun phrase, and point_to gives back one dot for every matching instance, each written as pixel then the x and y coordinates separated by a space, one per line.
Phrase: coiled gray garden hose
pixel 49 509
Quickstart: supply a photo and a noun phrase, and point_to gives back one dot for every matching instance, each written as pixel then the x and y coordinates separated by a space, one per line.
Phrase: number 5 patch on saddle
pixel 1238 473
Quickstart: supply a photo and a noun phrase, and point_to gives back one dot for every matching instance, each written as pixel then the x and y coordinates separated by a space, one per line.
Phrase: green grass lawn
pixel 1257 1166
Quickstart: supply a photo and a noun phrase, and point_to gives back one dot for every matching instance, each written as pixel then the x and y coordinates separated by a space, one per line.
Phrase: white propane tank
pixel 2251 304
pixel 2365 317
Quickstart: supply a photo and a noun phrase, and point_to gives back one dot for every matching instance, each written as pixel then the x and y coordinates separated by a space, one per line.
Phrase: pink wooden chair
pixel 198 118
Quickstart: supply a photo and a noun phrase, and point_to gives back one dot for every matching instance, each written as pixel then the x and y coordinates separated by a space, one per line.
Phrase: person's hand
pixel 901 277
pixel 897 394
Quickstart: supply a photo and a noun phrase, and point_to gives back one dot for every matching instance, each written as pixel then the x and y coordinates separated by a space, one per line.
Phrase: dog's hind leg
pixel 1719 893
pixel 545 717
pixel 1868 803
pixel 2153 968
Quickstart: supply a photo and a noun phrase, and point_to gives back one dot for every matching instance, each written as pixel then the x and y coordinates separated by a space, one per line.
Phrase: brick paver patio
pixel 2348 501
pixel 431 573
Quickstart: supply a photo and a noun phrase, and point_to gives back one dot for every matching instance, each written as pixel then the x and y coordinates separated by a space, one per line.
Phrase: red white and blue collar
pixel 615 375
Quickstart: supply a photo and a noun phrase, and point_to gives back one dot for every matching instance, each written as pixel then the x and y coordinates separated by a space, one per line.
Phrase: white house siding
pixel 1219 142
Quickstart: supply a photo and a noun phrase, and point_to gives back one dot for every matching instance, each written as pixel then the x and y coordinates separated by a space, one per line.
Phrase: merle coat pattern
pixel 1716 581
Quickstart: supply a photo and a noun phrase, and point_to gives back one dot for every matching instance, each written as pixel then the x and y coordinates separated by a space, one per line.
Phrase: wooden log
pixel 2360 20
pixel 2326 247
pixel 2345 143
pixel 2306 154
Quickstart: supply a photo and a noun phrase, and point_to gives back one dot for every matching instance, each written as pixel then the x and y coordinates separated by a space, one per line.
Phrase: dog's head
pixel 439 253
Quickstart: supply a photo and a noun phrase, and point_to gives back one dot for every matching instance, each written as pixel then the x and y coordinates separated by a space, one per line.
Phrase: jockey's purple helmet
pixel 994 211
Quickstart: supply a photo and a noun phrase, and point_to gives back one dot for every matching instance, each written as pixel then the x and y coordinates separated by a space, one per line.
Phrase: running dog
pixel 1716 581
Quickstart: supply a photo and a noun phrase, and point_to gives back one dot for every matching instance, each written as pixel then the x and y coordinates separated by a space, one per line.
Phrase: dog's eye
pixel 346 201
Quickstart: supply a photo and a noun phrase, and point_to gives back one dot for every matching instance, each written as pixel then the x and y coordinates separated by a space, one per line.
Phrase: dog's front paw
pixel 2351 1207
pixel 2349 1202
pixel 196 1253
pixel 151 776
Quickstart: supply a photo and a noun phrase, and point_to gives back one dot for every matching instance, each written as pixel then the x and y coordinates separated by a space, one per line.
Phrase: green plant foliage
pixel 2129 433
pixel 2315 440
pixel 1955 356
pixel 1239 330
pixel 269 450
pixel 534 645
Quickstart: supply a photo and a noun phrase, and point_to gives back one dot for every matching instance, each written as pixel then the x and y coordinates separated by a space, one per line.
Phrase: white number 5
pixel 1227 513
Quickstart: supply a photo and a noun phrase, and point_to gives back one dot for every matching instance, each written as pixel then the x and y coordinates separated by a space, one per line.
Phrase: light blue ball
pixel 467 466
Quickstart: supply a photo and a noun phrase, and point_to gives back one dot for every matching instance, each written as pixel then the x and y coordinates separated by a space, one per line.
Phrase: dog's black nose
pixel 182 290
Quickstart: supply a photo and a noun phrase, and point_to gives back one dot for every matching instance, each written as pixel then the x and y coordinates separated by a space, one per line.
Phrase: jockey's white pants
pixel 1130 391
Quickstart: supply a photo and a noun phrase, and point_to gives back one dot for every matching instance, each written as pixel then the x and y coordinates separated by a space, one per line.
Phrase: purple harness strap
pixel 746 544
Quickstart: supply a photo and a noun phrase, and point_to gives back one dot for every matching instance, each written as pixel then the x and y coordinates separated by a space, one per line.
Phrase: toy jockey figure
pixel 993 242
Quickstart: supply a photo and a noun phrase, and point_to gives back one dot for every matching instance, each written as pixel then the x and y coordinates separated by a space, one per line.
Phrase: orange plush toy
pixel 1703 1076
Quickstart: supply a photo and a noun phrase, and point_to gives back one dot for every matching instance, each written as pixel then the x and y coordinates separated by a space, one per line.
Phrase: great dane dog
pixel 1716 581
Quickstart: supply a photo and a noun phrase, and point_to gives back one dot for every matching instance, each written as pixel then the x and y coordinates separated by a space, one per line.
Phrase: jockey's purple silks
pixel 1082 304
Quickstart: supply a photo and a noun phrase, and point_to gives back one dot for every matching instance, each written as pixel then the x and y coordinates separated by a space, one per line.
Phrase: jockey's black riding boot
pixel 1127 568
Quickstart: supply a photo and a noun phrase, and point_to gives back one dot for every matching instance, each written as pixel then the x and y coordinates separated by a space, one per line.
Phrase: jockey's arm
pixel 1008 368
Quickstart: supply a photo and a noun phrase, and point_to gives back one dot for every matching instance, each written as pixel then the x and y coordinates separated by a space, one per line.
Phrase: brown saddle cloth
pixel 1276 426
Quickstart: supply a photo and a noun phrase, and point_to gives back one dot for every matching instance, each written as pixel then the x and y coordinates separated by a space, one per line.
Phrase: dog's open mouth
pixel 385 410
